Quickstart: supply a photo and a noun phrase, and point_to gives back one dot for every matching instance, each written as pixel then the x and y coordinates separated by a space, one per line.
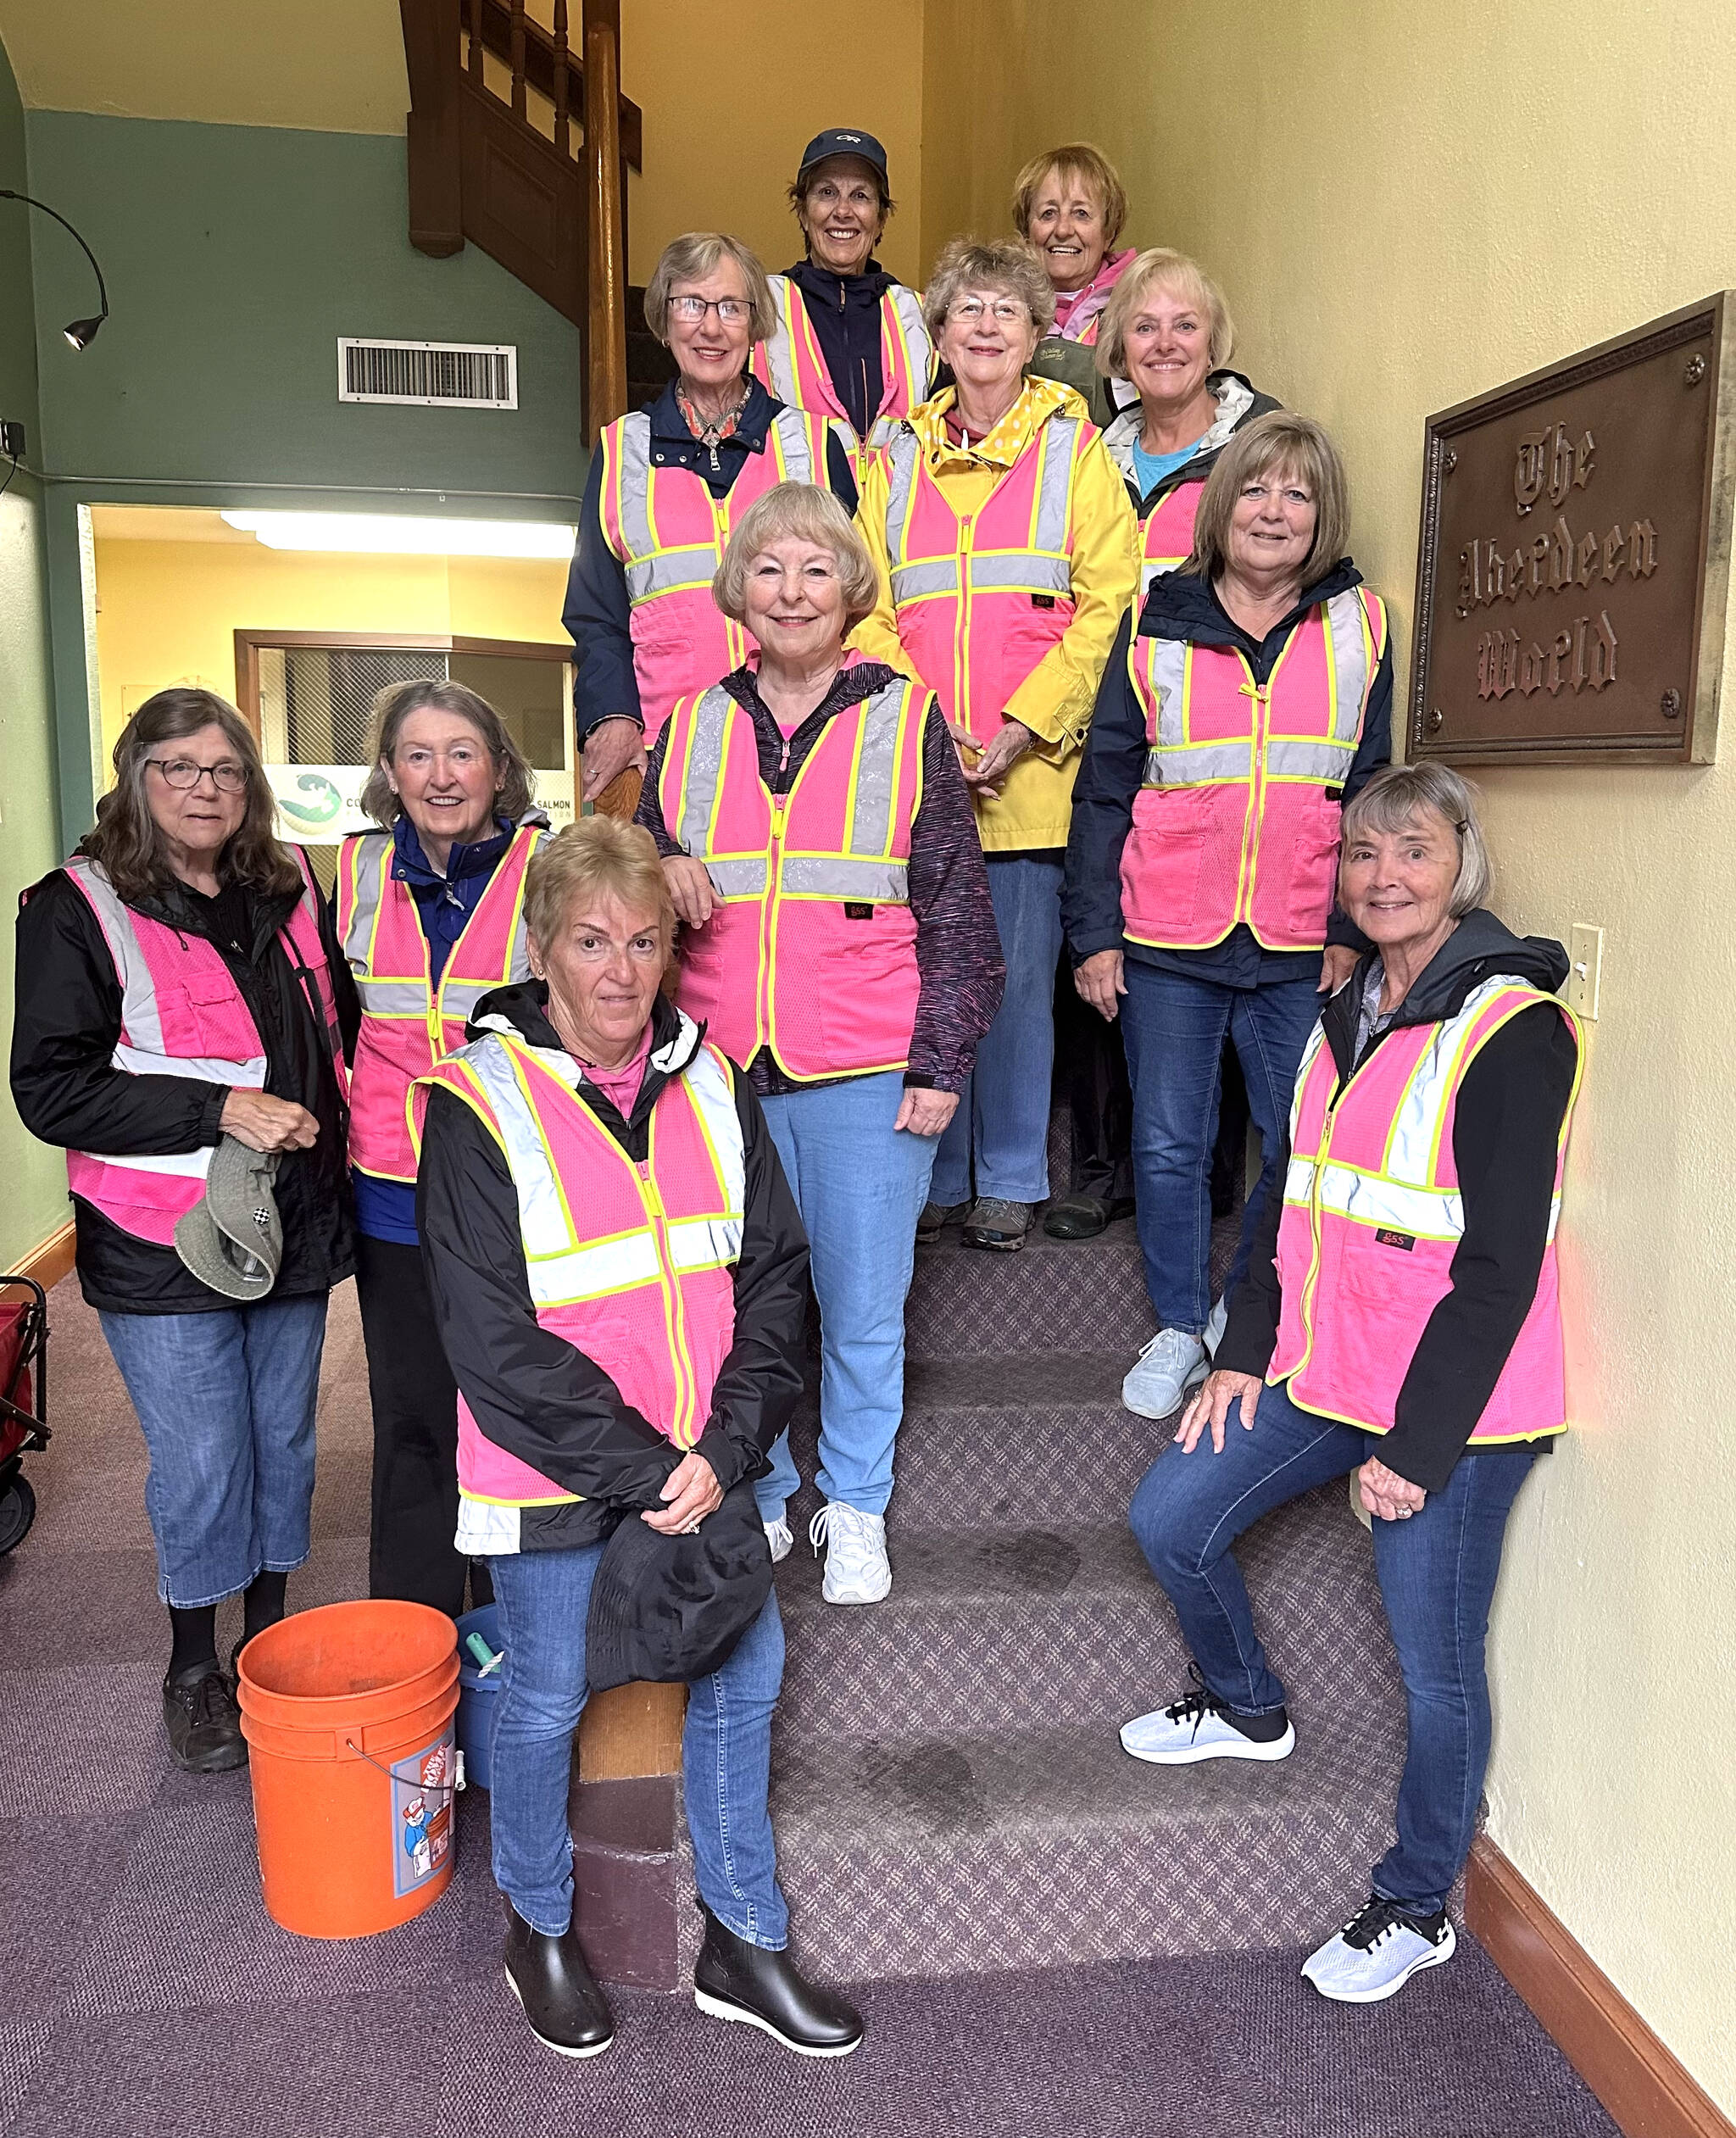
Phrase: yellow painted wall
pixel 1407 204
pixel 732 94
pixel 169 611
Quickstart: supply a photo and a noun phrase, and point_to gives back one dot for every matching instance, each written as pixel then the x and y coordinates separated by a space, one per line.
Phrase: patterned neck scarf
pixel 712 434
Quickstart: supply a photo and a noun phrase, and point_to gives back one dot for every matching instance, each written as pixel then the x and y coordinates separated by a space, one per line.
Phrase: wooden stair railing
pixel 483 170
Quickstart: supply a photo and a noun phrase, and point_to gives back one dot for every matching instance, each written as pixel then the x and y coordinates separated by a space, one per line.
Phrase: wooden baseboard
pixel 51 1260
pixel 1644 2086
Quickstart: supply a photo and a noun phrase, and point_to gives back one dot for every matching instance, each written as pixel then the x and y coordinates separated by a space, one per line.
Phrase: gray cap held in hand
pixel 233 1238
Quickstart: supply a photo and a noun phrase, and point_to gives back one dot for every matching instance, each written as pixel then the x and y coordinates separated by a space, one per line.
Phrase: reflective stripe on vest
pixel 790 365
pixel 1043 567
pixel 631 1264
pixel 1372 1216
pixel 404 1029
pixel 181 1007
pixel 670 533
pixel 783 963
pixel 1237 817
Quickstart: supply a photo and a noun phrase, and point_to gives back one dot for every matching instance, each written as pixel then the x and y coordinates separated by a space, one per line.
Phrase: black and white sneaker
pixel 1200 1726
pixel 1378 1952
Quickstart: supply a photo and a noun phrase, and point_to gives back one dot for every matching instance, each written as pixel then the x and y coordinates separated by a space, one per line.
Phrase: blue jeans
pixel 226 1400
pixel 543 1598
pixel 1173 1027
pixel 1437 1574
pixel 1002 1116
pixel 860 1185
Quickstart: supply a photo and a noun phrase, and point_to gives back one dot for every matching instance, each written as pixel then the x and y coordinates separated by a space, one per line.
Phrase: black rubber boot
pixel 734 1979
pixel 202 1720
pixel 1083 1217
pixel 550 1978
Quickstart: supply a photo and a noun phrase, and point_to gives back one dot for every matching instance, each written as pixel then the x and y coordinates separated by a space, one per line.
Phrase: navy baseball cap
pixel 844 141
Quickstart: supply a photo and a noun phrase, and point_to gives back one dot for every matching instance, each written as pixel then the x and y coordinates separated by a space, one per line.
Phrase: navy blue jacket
pixel 845 309
pixel 597 610
pixel 1181 605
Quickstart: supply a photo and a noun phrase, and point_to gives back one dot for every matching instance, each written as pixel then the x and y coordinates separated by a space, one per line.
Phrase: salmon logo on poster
pixel 1579 652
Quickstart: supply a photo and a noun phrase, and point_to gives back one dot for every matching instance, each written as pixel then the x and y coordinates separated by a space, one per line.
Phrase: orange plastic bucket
pixel 348 1712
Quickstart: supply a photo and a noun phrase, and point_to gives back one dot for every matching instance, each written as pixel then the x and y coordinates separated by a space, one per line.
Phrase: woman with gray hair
pixel 1398 1318
pixel 839 943
pixel 1246 703
pixel 174 1000
pixel 430 916
pixel 1003 544
pixel 665 485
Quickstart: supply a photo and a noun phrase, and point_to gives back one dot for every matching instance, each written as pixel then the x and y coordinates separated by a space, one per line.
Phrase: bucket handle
pixel 436 1789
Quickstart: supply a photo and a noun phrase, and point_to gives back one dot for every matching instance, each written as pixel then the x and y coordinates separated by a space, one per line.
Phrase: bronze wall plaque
pixel 1575 556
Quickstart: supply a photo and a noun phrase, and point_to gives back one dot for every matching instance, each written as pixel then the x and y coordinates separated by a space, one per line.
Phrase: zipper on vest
pixel 674 1314
pixel 961 626
pixel 768 923
pixel 734 642
pixel 1261 695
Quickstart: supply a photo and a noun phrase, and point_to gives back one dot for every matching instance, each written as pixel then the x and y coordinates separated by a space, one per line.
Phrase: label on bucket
pixel 421 1813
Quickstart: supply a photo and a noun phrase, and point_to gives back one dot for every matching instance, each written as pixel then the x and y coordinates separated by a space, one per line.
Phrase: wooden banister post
pixel 606 336
pixel 432 127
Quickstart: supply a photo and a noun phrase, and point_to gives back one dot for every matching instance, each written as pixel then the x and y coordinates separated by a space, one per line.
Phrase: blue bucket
pixel 477 1695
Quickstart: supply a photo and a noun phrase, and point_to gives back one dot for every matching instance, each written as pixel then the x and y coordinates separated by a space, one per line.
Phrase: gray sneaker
pixel 992 1222
pixel 1159 1376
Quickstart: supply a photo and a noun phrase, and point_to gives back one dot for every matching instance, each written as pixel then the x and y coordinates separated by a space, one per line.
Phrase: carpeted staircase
pixel 949 1794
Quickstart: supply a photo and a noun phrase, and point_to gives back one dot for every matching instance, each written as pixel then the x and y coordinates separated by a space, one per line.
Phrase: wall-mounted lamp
pixel 82 332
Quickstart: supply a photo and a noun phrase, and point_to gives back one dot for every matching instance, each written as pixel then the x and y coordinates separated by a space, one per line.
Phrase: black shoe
pixel 1084 1217
pixel 202 1720
pixel 734 1979
pixel 562 2004
pixel 935 1219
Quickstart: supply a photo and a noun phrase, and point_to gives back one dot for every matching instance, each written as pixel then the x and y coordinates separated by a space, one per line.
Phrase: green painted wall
pixel 32 1178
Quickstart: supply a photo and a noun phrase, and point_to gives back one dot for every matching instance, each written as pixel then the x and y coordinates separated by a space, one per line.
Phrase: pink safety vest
pixel 405 1030
pixel 1372 1217
pixel 789 364
pixel 632 1265
pixel 980 600
pixel 182 1015
pixel 1236 819
pixel 812 949
pixel 670 533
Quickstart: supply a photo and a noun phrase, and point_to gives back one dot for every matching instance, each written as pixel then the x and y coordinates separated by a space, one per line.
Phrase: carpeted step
pixel 962 1855
pixel 1017 1629
pixel 1078 1295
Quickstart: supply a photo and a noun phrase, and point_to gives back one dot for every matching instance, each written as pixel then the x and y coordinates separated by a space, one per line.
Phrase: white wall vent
pixel 431 374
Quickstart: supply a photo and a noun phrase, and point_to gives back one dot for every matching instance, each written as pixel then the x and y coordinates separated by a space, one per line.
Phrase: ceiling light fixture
pixel 82 332
pixel 401 535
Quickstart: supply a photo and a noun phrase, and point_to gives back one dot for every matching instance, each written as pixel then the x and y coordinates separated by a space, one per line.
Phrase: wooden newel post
pixel 606 338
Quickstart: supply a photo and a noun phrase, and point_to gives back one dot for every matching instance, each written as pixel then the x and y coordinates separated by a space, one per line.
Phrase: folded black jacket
pixel 531 1391
pixel 69 1092
pixel 1506 1128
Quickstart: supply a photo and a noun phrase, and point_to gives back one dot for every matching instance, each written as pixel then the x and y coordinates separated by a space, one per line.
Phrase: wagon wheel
pixel 18 1510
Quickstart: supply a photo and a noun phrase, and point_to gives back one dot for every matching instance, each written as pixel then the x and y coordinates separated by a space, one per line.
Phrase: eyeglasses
pixel 732 311
pixel 182 774
pixel 1006 309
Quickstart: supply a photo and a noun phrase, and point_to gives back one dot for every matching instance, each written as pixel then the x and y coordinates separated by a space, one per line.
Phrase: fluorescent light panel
pixel 401 535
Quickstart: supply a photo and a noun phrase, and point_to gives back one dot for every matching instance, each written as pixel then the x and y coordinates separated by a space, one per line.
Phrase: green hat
pixel 233 1238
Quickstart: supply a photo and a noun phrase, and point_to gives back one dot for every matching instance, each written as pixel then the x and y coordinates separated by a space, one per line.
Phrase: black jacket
pixel 68 1091
pixel 1182 605
pixel 1506 1128
pixel 530 1390
pixel 598 613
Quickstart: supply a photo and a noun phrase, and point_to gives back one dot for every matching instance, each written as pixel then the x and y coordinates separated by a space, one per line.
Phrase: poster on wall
pixel 320 805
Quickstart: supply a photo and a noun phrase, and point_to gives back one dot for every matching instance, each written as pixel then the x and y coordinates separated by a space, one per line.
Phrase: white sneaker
pixel 777 1535
pixel 1154 1387
pixel 856 1567
pixel 1198 1727
pixel 1378 1952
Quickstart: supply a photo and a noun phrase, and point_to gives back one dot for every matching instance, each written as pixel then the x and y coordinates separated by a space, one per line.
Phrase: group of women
pixel 930 688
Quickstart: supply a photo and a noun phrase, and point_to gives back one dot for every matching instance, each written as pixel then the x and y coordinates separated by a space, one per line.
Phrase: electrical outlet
pixel 1585 968
pixel 12 439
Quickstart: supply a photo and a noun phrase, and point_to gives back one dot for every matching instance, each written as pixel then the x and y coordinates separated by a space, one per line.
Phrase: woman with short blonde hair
pixel 839 943
pixel 1069 204
pixel 665 485
pixel 1247 704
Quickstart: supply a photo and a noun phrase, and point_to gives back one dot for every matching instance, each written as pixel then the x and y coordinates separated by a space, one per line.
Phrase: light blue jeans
pixel 544 1598
pixel 860 1185
pixel 1003 1117
pixel 226 1400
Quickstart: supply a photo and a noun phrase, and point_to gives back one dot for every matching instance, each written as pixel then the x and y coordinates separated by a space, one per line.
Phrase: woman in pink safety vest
pixel 839 943
pixel 174 990
pixel 1070 203
pixel 430 916
pixel 667 486
pixel 1398 1319
pixel 1249 699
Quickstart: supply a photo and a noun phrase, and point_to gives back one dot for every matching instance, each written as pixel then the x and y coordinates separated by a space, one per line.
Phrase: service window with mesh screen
pixel 309 696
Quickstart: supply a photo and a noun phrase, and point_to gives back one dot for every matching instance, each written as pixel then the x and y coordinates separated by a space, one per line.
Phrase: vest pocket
pixel 1314 868
pixel 867 991
pixel 1163 861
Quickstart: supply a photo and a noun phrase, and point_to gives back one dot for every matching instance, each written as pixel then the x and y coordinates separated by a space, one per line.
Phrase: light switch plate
pixel 1585 969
